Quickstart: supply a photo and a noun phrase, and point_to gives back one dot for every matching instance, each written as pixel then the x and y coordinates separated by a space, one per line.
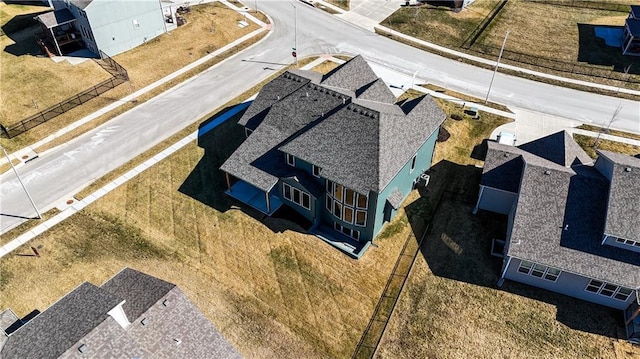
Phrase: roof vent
pixel 165 302
pixel 627 169
pixel 344 100
pixel 144 321
pixel 278 97
pixel 307 94
pixel 177 341
pixel 547 172
pixel 506 155
pixel 82 348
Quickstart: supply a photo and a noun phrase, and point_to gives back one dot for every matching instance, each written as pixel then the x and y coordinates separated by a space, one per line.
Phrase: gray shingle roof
pixel 49 334
pixel 559 148
pixel 139 290
pixel 623 209
pixel 502 167
pixel 552 199
pixel 352 75
pixel 82 4
pixel 55 18
pixel 357 142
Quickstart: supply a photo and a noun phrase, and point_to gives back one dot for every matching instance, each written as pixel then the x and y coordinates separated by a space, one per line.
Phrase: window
pixel 247 131
pixel 301 198
pixel 355 234
pixel 291 161
pixel 316 170
pixel 539 271
pixel 628 242
pixel 346 204
pixel 413 163
pixel 608 290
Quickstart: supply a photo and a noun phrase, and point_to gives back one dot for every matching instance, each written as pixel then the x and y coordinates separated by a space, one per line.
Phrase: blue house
pixel 110 26
pixel 336 148
pixel 573 224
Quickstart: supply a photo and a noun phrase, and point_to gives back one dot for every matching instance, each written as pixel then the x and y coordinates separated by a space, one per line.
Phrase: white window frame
pixel 628 242
pixel 615 291
pixel 539 271
pixel 331 203
pixel 315 169
pixel 247 131
pixel 291 160
pixel 291 197
pixel 352 233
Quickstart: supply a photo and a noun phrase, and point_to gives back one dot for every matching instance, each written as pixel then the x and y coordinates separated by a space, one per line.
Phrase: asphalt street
pixel 65 170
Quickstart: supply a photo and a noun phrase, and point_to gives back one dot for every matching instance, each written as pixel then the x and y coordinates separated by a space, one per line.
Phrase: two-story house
pixel 336 148
pixel 110 26
pixel 573 225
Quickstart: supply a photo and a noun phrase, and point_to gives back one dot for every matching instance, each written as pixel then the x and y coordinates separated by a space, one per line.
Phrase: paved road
pixel 65 170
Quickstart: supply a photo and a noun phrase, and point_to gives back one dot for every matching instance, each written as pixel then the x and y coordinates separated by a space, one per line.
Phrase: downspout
pixel 504 271
pixel 475 209
pixel 226 175
pixel 268 204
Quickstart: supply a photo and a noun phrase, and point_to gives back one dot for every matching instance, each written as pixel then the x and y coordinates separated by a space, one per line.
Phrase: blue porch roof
pixel 254 197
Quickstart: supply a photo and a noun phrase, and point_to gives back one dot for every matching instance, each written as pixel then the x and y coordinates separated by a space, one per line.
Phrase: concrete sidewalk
pixel 30 152
pixel 368 20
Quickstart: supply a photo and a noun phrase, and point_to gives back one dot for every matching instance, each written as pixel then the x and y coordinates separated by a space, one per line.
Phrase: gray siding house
pixel 110 26
pixel 336 148
pixel 132 315
pixel 573 225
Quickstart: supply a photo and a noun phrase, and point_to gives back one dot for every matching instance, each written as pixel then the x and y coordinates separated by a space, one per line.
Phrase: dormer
pixel 622 226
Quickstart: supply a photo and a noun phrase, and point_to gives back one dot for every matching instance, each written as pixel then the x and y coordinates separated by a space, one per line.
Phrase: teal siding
pixel 403 181
pixel 112 23
pixel 306 213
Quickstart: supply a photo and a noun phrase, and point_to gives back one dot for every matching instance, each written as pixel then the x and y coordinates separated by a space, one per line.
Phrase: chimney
pixel 118 314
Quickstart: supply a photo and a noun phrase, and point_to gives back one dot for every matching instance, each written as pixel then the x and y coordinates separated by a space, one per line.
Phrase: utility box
pixel 506 138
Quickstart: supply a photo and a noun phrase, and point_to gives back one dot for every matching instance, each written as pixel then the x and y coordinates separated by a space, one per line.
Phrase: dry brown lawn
pixel 28 78
pixel 588 144
pixel 272 290
pixel 209 27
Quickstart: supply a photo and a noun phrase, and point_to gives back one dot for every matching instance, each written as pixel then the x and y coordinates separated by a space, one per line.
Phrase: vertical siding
pixel 568 284
pixel 113 28
pixel 403 181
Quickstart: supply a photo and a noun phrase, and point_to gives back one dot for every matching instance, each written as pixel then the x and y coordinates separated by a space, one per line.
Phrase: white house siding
pixel 113 23
pixel 568 284
pixel 496 200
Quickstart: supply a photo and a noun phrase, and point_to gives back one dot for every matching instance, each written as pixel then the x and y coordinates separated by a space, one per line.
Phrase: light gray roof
pixel 140 290
pixel 352 75
pixel 53 331
pixel 623 209
pixel 56 18
pixel 558 187
pixel 395 198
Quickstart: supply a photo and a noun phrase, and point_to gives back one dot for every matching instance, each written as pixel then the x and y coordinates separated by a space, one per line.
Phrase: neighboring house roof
pixel 560 213
pixel 139 290
pixel 56 18
pixel 53 331
pixel 173 326
pixel 503 163
pixel 347 124
pixel 623 209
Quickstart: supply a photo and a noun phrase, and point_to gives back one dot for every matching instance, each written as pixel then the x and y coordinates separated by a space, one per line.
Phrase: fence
pixel 588 4
pixel 471 39
pixel 556 65
pixel 118 76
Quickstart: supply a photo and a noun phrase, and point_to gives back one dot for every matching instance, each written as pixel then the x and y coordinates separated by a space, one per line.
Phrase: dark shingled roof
pixel 503 163
pixel 623 210
pixel 559 148
pixel 49 334
pixel 361 143
pixel 559 222
pixel 56 18
pixel 139 290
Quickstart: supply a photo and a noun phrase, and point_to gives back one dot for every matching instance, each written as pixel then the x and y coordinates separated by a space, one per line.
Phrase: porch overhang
pixel 256 198
pixel 56 18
